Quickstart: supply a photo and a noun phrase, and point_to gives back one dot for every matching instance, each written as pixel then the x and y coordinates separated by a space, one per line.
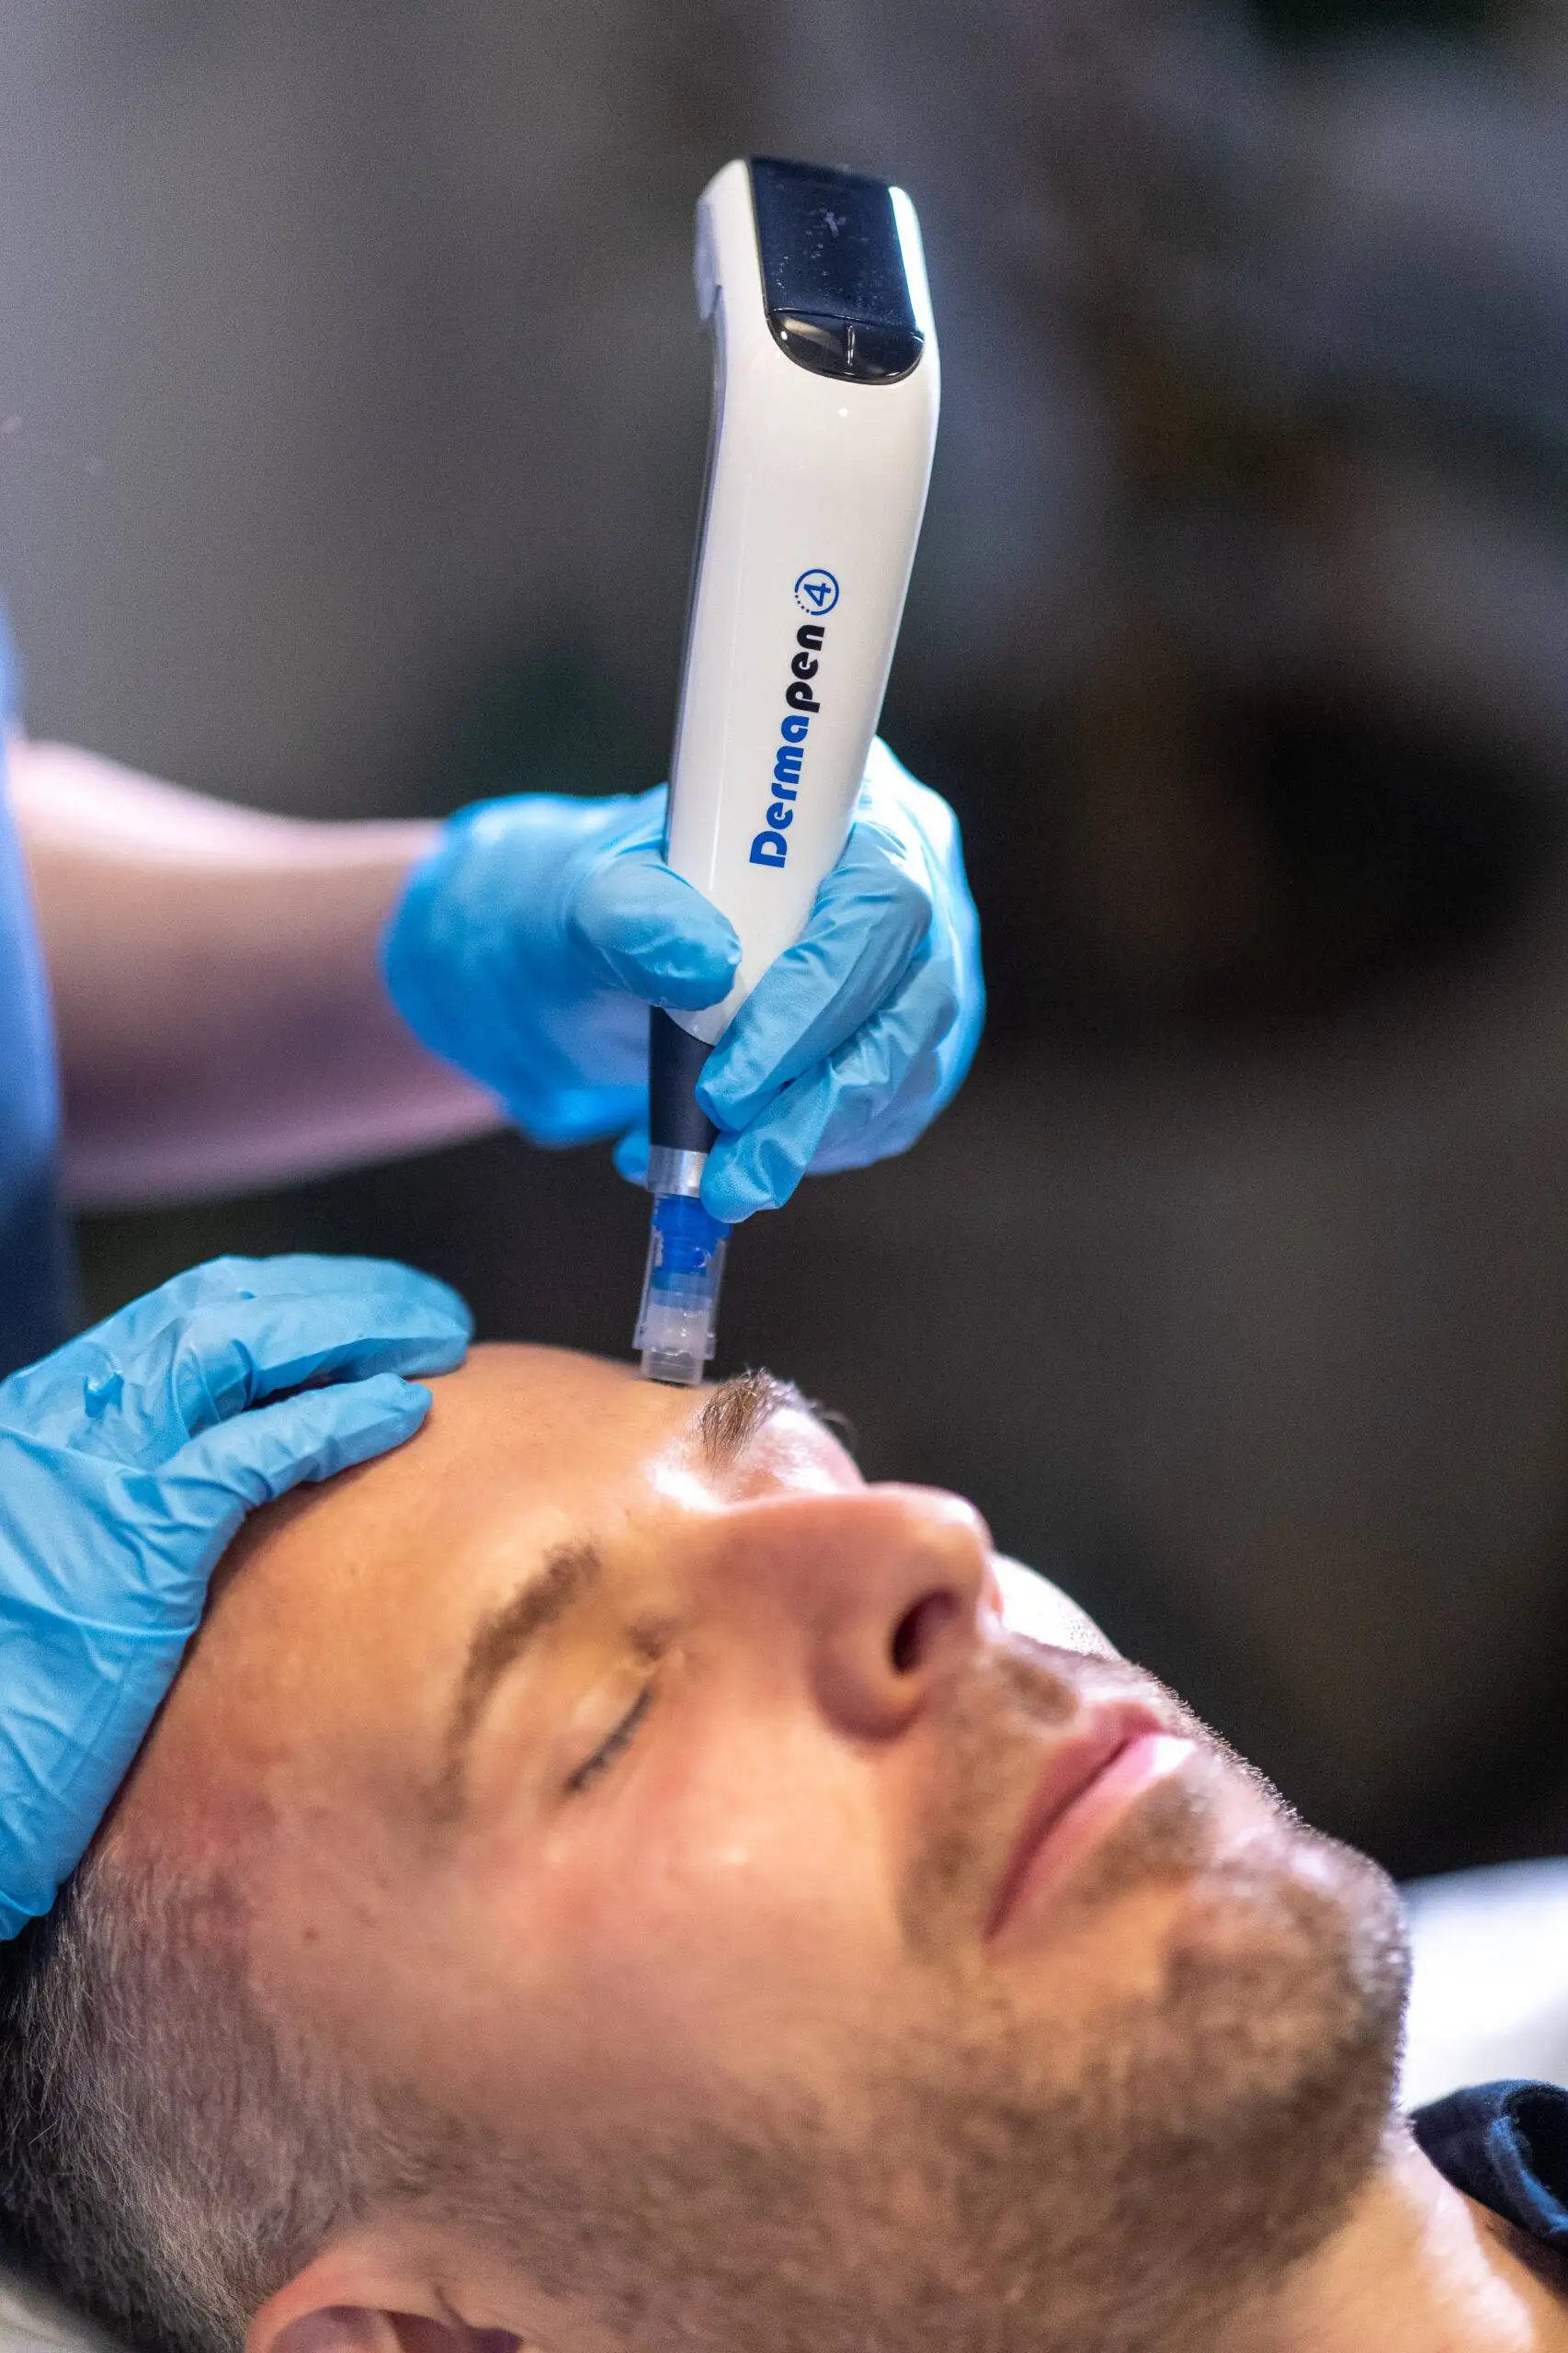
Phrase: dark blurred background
pixel 351 417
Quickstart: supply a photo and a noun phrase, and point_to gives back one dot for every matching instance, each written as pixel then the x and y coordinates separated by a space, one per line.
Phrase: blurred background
pixel 352 410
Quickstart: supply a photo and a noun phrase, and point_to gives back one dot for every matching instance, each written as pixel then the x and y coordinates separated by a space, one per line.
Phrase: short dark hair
pixel 175 2147
pixel 170 2156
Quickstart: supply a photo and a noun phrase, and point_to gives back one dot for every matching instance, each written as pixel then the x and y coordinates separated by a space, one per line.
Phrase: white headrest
pixel 31 2322
pixel 1490 1994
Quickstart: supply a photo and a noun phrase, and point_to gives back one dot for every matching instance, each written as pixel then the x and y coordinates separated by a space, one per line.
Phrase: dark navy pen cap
pixel 833 275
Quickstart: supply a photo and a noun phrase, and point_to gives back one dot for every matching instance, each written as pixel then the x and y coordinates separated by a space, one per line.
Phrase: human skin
pixel 219 1002
pixel 689 1853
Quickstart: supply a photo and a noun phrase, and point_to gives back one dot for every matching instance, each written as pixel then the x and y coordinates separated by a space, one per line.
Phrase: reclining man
pixel 606 1876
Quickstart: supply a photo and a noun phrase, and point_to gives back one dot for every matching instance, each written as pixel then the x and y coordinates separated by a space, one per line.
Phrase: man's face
pixel 781 1948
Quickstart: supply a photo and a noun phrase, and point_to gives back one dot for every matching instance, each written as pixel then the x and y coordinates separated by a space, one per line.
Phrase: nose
pixel 877 1592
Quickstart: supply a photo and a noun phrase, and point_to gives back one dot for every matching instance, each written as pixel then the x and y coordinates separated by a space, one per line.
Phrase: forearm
pixel 217 986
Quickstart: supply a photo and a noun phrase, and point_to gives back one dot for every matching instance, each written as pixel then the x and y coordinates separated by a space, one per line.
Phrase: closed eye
pixel 608 1750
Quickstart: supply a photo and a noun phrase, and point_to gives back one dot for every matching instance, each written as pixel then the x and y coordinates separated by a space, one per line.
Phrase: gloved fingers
pixel 759 1167
pixel 217 1281
pixel 219 1476
pixel 869 1099
pixel 507 957
pixel 872 919
pixel 81 1686
pixel 94 1632
pixel 631 1156
pixel 226 1361
pixel 580 1115
pixel 548 1094
pixel 39 1390
pixel 910 814
pixel 921 823
pixel 79 1698
pixel 893 1079
pixel 67 1392
pixel 862 1129
pixel 642 929
pixel 341 1322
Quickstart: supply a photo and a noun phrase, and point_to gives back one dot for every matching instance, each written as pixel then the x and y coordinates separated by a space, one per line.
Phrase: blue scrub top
pixel 36 1291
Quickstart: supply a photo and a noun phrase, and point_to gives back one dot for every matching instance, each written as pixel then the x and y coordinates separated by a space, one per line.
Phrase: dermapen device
pixel 812 283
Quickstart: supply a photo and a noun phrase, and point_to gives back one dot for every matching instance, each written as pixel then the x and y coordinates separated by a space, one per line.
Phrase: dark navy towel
pixel 1506 2146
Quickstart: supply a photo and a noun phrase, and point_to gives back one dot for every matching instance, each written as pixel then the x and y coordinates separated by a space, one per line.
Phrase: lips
pixel 1117 1741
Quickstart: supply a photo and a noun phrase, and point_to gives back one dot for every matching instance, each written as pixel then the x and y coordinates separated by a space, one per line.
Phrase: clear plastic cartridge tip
pixel 679 1327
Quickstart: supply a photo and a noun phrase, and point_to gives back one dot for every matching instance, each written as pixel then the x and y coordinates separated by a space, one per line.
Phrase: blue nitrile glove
pixel 128 1459
pixel 526 945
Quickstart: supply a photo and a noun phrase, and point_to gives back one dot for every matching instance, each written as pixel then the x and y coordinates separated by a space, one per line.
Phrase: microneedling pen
pixel 826 386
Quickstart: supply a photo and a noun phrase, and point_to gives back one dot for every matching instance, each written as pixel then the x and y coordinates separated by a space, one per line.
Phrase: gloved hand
pixel 128 1459
pixel 525 947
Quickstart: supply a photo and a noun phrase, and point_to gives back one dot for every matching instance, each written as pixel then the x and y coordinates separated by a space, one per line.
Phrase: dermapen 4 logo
pixel 771 847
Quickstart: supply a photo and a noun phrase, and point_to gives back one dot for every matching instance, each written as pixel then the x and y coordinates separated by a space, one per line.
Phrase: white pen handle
pixel 825 398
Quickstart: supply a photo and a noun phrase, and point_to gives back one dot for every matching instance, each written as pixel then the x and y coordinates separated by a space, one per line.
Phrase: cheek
pixel 721 1915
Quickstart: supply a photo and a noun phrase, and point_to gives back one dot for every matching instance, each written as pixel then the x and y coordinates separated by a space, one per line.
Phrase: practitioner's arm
pixel 221 1015
pixel 225 984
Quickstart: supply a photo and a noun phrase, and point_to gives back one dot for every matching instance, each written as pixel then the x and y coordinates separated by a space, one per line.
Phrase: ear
pixel 368 2296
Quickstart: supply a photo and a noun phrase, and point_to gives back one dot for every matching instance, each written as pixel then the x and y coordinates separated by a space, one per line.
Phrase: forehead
pixel 521 1411
pixel 517 1442
pixel 523 1446
pixel 542 1426
pixel 341 1618
pixel 522 1427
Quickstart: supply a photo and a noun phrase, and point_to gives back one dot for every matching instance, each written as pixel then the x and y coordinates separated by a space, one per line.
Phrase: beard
pixel 1072 2156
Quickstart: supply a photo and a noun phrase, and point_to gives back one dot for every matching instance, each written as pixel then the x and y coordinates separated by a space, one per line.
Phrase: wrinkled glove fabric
pixel 527 946
pixel 128 1459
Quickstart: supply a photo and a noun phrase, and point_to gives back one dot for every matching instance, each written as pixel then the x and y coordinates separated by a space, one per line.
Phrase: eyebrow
pixel 499 1639
pixel 732 1417
pixel 737 1411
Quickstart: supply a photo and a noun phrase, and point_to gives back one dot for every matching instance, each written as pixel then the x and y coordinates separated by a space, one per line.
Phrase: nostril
pixel 920 1629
